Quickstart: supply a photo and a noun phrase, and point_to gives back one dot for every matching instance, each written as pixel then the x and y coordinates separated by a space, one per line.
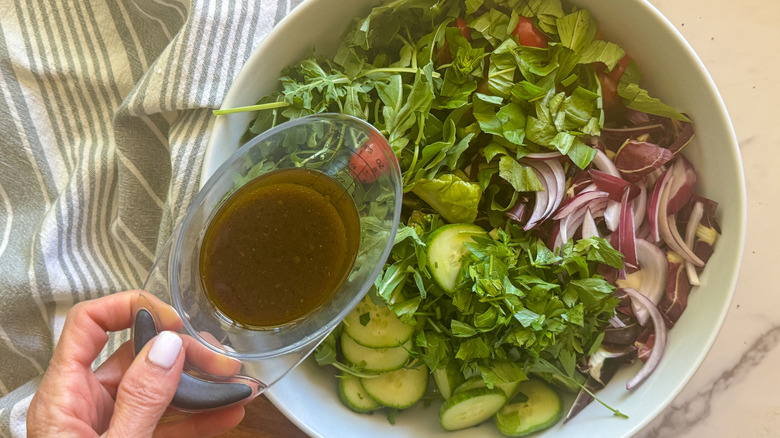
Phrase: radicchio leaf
pixel 613 185
pixel 680 191
pixel 685 134
pixel 636 159
pixel 613 138
pixel 678 287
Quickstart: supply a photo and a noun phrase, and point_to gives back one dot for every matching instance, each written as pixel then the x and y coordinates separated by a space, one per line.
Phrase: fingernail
pixel 165 349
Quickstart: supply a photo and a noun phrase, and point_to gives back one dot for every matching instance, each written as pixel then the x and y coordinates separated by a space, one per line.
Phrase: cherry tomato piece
pixel 529 35
pixel 609 83
pixel 464 28
pixel 369 162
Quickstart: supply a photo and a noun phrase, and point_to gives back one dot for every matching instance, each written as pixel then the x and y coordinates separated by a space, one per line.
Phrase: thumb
pixel 147 387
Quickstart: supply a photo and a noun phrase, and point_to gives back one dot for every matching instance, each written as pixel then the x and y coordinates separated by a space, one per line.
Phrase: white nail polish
pixel 165 349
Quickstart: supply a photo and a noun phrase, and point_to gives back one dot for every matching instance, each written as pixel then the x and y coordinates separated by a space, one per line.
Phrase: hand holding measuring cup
pixel 195 355
pixel 125 395
pixel 271 296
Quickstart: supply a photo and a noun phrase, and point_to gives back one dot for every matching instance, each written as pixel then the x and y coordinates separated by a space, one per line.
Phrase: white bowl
pixel 673 72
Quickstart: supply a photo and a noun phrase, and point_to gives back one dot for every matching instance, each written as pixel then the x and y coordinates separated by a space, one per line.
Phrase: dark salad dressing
pixel 279 247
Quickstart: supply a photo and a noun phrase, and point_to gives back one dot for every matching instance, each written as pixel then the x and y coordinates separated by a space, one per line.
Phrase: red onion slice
pixel 560 181
pixel 660 338
pixel 571 223
pixel 667 228
pixel 589 228
pixel 580 181
pixel 517 212
pixel 604 164
pixel 640 206
pixel 613 185
pixel 626 231
pixel 690 238
pixel 543 155
pixel 540 205
pixel 589 188
pixel 616 322
pixel 654 205
pixel 555 186
pixel 681 190
pixel 612 215
pixel 676 242
pixel 577 202
pixel 650 280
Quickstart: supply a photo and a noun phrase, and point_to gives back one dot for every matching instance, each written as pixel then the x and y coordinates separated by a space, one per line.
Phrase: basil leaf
pixel 522 178
pixel 636 98
pixel 577 30
pixel 602 51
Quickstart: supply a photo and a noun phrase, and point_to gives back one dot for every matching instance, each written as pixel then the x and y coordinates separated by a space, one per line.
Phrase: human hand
pixel 125 396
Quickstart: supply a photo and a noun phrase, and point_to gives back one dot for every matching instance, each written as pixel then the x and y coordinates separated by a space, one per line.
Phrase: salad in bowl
pixel 556 218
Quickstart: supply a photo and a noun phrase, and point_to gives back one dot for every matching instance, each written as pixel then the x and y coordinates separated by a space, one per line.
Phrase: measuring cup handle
pixel 195 394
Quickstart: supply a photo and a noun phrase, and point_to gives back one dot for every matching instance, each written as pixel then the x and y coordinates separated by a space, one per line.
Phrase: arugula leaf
pixel 418 101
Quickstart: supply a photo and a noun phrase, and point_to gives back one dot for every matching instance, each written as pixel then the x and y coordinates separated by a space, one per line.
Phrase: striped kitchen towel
pixel 105 110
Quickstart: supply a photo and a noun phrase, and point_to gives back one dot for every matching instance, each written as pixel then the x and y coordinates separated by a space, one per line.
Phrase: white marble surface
pixel 736 392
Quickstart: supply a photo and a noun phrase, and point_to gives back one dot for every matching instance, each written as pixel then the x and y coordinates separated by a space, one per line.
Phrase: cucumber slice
pixel 509 388
pixel 470 383
pixel 447 378
pixel 470 407
pixel 353 396
pixel 446 251
pixel 375 359
pixel 543 409
pixel 398 389
pixel 383 330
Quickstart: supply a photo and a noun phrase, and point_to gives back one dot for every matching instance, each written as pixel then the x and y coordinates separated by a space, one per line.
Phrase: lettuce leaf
pixel 454 199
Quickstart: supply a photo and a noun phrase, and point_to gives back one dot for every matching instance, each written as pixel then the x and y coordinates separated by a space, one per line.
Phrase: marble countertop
pixel 734 393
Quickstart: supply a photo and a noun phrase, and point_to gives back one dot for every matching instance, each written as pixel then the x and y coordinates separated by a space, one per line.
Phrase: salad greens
pixel 465 101
pixel 440 97
pixel 520 307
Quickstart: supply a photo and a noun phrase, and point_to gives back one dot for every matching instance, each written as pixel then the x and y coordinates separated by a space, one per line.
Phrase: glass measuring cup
pixel 348 150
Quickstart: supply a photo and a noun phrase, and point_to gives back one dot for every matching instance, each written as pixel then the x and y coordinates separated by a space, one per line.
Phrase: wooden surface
pixel 263 420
